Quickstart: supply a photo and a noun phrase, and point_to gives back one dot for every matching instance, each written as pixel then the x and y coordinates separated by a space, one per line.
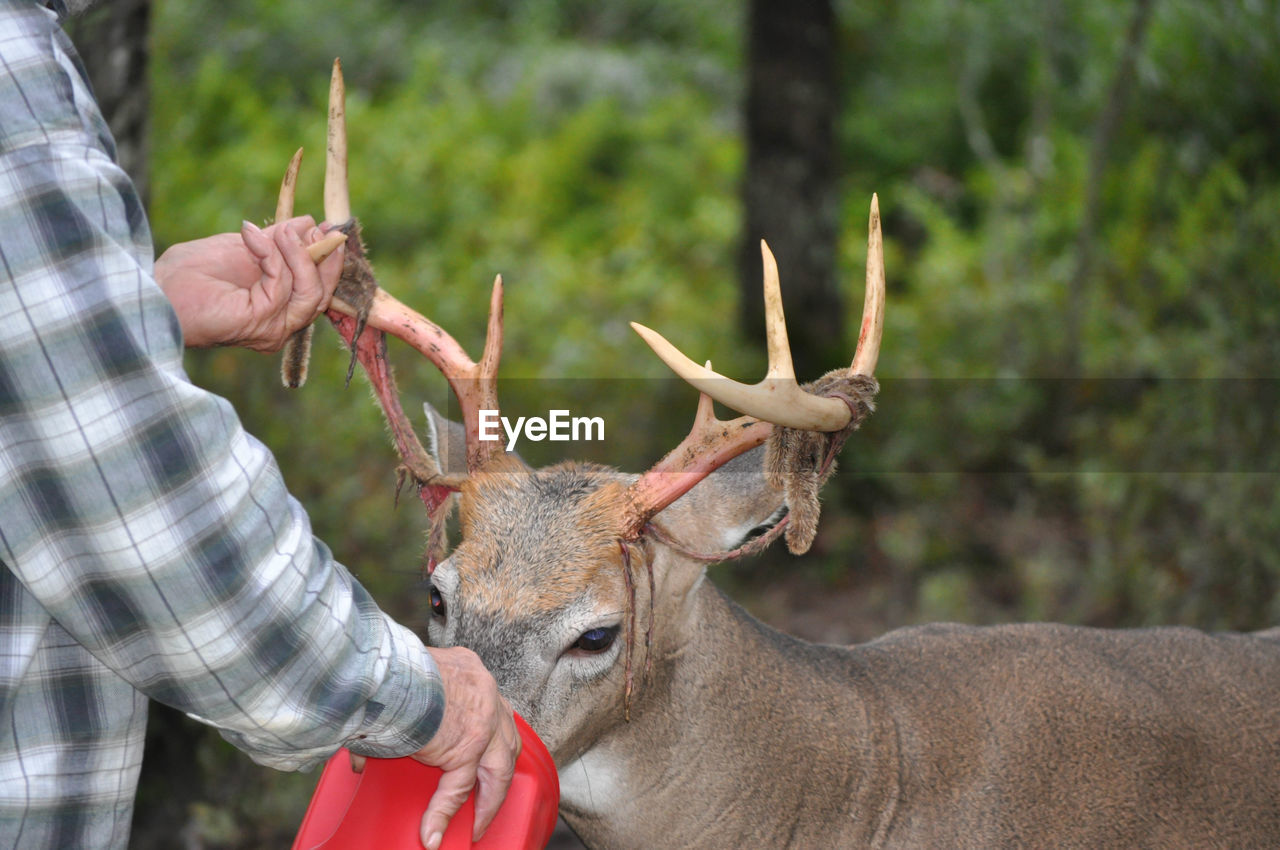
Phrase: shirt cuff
pixel 399 719
pixel 404 714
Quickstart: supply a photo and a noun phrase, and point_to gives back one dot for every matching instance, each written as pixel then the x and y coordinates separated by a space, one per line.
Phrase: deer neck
pixel 742 735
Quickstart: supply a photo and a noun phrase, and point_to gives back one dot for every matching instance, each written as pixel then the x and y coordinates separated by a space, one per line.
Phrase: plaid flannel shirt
pixel 148 547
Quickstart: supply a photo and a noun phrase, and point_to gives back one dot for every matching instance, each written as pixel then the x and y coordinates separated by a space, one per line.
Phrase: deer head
pixel 575 583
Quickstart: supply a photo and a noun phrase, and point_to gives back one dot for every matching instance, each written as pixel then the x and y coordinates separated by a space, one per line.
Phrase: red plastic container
pixel 381 808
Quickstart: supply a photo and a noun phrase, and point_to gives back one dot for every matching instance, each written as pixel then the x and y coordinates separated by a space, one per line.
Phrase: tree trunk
pixel 789 189
pixel 112 41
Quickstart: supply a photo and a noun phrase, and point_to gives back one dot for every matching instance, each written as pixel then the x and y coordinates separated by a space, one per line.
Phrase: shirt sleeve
pixel 133 505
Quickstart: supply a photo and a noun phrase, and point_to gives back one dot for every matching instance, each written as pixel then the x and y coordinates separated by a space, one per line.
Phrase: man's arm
pixel 144 518
pixel 256 290
pixel 135 508
pixel 262 288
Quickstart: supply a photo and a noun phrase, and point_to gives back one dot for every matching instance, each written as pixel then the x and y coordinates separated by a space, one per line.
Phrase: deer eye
pixel 437 603
pixel 596 640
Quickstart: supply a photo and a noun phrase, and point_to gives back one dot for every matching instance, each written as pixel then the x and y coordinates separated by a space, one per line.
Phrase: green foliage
pixel 1141 488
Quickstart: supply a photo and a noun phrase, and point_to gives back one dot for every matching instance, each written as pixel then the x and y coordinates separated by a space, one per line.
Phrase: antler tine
pixel 487 380
pixel 775 324
pixel 337 198
pixel 706 412
pixel 868 350
pixel 492 354
pixel 326 245
pixel 297 348
pixel 777 398
pixel 288 188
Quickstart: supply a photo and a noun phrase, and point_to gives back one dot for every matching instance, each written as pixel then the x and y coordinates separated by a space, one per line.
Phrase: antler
pixel 776 400
pixel 297 348
pixel 358 297
pixel 359 305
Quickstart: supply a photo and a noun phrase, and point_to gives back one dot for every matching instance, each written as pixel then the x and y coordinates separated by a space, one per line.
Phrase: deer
pixel 675 718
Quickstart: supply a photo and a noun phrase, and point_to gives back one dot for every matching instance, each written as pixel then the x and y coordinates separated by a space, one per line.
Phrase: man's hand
pixel 476 744
pixel 253 288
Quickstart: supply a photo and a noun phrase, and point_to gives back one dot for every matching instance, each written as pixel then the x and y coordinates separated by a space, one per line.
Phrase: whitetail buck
pixel 677 720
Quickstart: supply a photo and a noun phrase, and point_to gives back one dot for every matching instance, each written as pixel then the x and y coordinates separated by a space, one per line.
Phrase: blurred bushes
pixel 1146 492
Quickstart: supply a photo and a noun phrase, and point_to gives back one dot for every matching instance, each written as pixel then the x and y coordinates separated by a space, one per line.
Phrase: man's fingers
pixel 330 269
pixel 264 246
pixel 497 768
pixel 450 794
pixel 477 739
pixel 257 241
pixel 312 284
pixel 305 291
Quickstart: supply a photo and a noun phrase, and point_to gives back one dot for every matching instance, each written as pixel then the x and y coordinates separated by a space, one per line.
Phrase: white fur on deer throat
pixel 591 784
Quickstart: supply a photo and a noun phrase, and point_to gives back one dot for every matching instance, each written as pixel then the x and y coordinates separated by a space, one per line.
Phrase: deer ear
pixel 446 441
pixel 726 508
